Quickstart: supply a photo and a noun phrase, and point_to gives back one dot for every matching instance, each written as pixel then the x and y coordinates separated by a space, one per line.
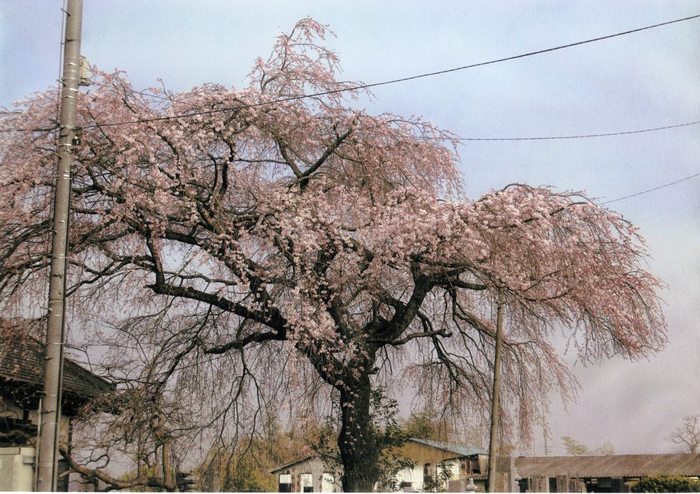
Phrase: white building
pixel 431 462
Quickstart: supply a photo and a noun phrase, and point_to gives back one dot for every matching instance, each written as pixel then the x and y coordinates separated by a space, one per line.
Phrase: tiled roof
pixel 295 462
pixel 609 466
pixel 22 360
pixel 457 449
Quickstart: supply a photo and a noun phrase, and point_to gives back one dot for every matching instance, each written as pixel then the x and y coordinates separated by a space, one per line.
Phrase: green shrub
pixel 666 484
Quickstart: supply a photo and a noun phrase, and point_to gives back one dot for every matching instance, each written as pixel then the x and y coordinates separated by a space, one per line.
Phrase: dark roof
pixel 22 361
pixel 454 448
pixel 609 466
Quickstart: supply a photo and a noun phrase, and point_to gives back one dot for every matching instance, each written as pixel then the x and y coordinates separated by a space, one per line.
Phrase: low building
pixel 437 463
pixel 308 474
pixel 610 473
pixel 21 386
pixel 431 460
pixel 469 471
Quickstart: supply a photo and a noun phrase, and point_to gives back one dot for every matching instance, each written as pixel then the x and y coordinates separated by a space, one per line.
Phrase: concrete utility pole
pixel 51 402
pixel 495 391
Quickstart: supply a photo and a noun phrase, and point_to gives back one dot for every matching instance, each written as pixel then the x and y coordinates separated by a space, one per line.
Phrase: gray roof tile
pixel 609 466
pixel 22 360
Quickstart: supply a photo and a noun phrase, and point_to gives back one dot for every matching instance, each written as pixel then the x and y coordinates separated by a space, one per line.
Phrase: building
pixel 431 460
pixel 469 471
pixel 610 473
pixel 21 386
pixel 437 463
pixel 309 474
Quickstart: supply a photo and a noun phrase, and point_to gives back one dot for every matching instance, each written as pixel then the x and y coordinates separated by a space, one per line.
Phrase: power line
pixel 381 83
pixel 582 136
pixel 413 77
pixel 652 189
pixel 527 54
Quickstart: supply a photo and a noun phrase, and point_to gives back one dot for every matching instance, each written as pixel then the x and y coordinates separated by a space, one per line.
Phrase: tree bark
pixel 356 441
pixel 168 471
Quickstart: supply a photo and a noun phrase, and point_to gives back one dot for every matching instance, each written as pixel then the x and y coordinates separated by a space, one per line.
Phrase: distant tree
pixel 688 434
pixel 576 448
pixel 428 424
pixel 573 447
pixel 243 245
pixel 245 468
pixel 606 449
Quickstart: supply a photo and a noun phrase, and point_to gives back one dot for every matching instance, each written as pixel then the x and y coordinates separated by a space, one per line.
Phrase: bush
pixel 666 484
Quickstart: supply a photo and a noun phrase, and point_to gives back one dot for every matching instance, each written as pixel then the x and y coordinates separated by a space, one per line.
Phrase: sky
pixel 639 81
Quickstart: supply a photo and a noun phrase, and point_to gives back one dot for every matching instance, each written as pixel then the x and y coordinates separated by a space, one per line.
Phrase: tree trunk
pixel 356 441
pixel 168 471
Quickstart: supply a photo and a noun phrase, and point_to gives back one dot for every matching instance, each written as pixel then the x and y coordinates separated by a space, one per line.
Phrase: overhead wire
pixel 669 184
pixel 376 84
pixel 446 71
pixel 523 55
pixel 581 136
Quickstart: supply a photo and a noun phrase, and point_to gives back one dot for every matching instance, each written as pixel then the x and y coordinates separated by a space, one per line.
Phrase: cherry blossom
pixel 259 217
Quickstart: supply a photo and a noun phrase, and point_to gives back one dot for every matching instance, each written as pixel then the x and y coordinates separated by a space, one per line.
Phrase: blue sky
pixel 642 80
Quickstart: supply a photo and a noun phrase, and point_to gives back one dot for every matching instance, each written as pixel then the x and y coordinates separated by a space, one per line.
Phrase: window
pixel 285 482
pixel 327 482
pixel 306 482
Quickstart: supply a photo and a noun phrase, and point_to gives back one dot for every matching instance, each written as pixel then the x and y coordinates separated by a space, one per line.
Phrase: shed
pixel 308 474
pixel 609 473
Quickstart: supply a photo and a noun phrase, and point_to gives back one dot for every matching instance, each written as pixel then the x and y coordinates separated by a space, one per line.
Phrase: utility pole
pixel 545 431
pixel 495 398
pixel 53 371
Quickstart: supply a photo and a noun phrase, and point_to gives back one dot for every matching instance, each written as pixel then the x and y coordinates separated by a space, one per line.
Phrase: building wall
pixel 415 476
pixel 312 470
pixel 17 469
pixel 411 476
pixel 9 408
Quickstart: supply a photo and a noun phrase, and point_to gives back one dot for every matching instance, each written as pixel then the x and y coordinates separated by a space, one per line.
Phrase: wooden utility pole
pixel 51 401
pixel 495 398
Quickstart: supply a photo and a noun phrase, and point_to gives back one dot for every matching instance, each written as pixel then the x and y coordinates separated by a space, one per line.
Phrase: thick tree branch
pixel 270 317
pixel 304 178
pixel 112 482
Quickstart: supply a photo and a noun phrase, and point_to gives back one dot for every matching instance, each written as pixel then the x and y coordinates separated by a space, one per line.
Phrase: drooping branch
pixel 111 481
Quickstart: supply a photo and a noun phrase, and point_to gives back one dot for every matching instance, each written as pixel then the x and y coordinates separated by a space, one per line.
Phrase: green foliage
pixel 389 436
pixel 425 425
pixel 667 484
pixel 438 482
pixel 246 465
pixel 325 446
pixel 385 426
pixel 243 469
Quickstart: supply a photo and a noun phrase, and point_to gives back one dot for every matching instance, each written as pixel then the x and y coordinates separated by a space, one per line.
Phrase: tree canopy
pixel 233 243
